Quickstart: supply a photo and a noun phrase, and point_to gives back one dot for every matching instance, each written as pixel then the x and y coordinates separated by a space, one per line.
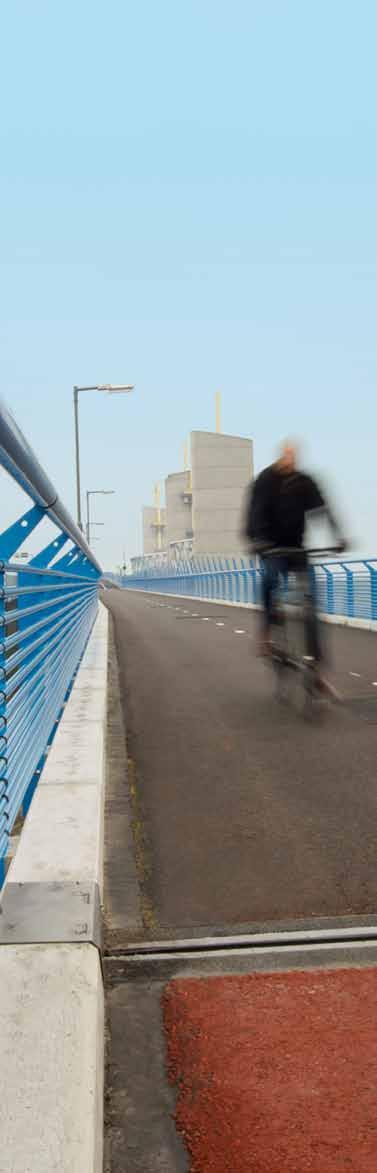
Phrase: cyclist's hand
pixel 260 547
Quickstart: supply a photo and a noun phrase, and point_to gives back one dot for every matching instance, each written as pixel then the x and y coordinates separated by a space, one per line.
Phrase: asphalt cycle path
pixel 244 814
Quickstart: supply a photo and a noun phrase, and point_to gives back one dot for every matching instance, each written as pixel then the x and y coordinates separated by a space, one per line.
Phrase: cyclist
pixel 279 501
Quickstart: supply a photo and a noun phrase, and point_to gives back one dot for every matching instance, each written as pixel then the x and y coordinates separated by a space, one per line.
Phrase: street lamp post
pixel 94 493
pixel 108 389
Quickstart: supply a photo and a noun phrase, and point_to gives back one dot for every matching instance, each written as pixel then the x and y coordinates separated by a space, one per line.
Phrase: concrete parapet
pixel 51 990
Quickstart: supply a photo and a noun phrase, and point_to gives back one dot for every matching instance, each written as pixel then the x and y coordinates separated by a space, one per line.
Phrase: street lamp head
pixel 116 389
pixel 108 388
pixel 100 492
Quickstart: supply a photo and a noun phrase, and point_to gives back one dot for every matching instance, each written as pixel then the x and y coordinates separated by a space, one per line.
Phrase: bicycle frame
pixel 283 657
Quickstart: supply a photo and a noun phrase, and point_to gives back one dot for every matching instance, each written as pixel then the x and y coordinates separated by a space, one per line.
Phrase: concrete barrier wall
pixel 51 990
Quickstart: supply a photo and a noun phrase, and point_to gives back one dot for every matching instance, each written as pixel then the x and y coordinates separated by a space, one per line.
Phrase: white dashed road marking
pixel 219 625
pixel 355 674
pixel 239 631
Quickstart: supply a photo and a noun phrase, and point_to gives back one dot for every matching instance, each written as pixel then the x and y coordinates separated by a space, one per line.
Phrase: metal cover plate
pixel 64 913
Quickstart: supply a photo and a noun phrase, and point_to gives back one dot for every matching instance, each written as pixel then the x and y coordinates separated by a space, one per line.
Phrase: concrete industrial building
pixel 154 527
pixel 204 505
pixel 222 467
pixel 178 497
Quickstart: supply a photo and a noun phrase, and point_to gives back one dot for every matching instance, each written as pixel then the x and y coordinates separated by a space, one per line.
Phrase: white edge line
pixel 337 620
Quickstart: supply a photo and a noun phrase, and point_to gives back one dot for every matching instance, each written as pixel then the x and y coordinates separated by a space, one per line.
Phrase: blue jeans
pixel 272 569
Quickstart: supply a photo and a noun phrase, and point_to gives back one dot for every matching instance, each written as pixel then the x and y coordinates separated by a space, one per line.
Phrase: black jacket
pixel 278 504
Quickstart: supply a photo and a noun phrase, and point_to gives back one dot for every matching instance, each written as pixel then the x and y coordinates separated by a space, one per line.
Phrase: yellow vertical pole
pixel 218 411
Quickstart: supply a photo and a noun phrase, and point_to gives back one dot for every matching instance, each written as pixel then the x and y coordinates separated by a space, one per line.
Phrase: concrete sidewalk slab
pixel 51 994
pixel 52 1059
pixel 77 753
pixel 63 836
pixel 86 704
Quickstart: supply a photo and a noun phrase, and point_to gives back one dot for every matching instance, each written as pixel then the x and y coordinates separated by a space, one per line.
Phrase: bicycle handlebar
pixel 285 551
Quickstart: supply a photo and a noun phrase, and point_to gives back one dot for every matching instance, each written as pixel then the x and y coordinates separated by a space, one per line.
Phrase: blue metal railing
pixel 47 610
pixel 347 589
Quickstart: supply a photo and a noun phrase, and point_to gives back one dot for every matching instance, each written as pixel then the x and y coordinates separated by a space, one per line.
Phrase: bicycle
pixel 294 629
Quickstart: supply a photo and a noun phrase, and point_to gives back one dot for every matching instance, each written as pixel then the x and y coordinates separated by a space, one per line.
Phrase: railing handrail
pixel 345 588
pixel 18 458
pixel 192 568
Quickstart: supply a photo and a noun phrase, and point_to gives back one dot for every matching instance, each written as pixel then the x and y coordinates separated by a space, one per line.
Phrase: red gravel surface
pixel 276 1073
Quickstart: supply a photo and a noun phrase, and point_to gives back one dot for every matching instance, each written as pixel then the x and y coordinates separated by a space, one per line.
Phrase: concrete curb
pixel 51 986
pixel 338 620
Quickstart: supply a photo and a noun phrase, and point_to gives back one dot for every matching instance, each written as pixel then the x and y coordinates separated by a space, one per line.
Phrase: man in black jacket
pixel 279 502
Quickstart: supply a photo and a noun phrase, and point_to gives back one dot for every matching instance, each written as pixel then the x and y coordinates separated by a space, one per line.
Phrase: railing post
pixel 251 581
pixel 243 581
pixel 218 580
pixel 206 578
pixel 312 582
pixel 221 593
pixel 373 589
pixel 237 582
pixel 350 590
pixel 228 581
pixel 4 823
pixel 330 589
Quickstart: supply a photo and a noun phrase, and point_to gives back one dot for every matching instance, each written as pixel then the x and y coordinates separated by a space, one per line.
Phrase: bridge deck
pixel 243 816
pixel 245 812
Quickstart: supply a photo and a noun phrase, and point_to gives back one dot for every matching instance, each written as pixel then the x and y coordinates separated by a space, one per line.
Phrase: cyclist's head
pixel 288 456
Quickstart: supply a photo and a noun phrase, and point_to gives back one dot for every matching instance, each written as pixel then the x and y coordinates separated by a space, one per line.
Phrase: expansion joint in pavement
pixel 346 935
pixel 268 952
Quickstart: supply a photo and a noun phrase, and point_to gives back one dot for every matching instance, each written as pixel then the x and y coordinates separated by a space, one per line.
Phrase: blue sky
pixel 188 202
